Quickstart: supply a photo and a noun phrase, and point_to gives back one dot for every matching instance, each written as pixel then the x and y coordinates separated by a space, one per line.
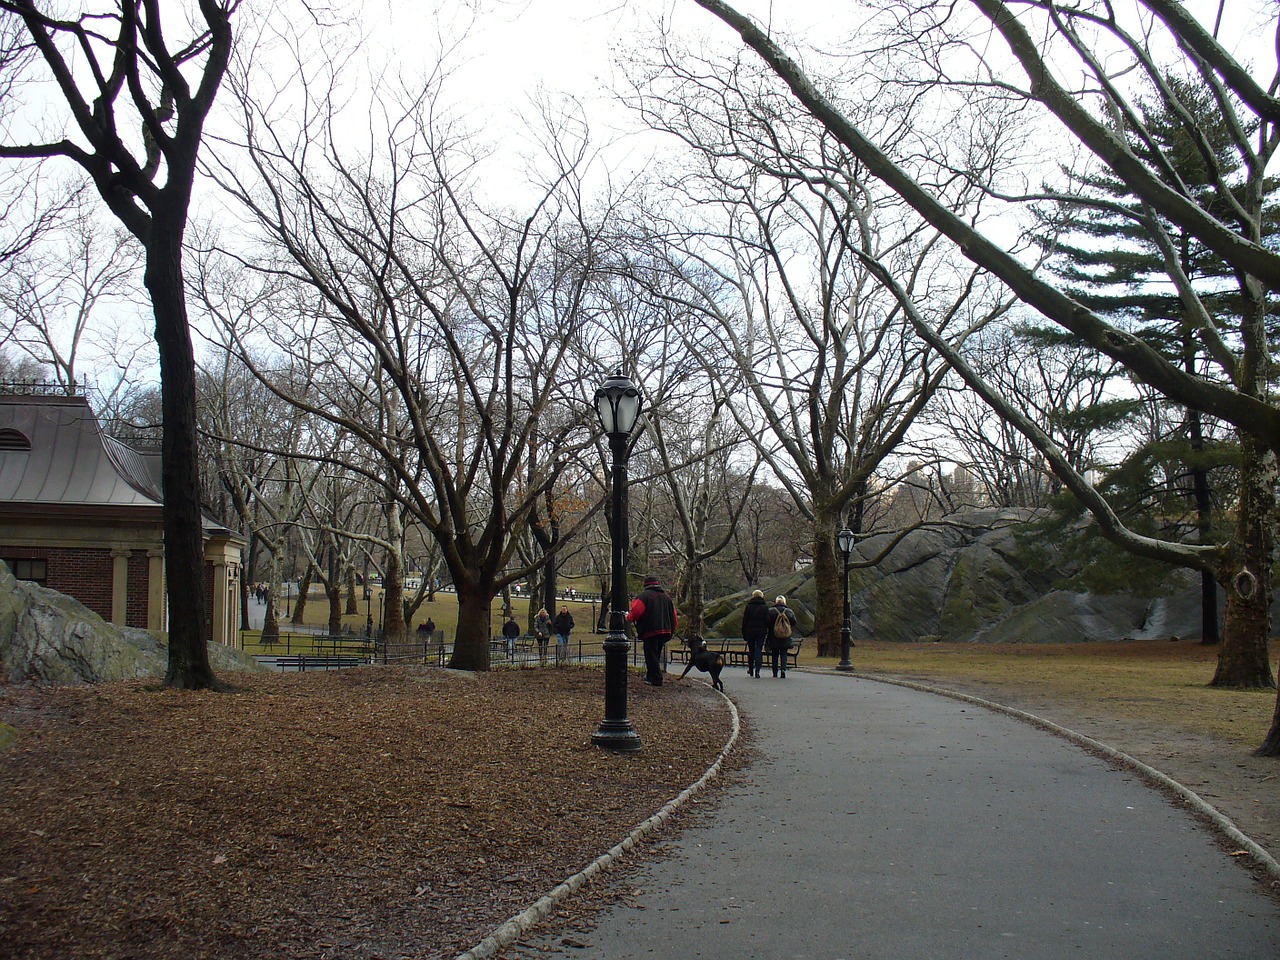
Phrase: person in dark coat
pixel 563 624
pixel 542 630
pixel 779 646
pixel 755 629
pixel 511 632
pixel 656 620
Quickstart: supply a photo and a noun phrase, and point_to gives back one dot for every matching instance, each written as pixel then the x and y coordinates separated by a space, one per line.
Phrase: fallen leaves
pixel 385 811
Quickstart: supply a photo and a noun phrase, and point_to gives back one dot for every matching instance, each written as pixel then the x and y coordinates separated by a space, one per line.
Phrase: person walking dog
pixel 782 623
pixel 656 620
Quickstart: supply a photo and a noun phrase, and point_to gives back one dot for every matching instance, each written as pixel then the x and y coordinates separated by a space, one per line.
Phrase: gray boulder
pixel 968 581
pixel 48 637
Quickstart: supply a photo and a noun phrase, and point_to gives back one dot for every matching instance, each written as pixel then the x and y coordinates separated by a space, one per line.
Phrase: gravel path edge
pixel 517 926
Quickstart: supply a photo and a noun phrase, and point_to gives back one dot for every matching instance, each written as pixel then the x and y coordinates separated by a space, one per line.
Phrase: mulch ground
pixel 371 813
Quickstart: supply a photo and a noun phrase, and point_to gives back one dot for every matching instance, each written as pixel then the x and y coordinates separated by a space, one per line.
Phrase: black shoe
pixel 784 674
pixel 775 673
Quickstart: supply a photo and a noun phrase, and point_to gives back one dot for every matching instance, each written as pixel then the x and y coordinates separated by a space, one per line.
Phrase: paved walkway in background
pixel 885 823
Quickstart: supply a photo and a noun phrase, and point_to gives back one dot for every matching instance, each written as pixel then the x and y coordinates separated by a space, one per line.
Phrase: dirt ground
pixel 385 812
pixel 388 813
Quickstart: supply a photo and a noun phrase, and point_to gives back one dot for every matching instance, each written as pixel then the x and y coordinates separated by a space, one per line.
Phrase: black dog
pixel 705 660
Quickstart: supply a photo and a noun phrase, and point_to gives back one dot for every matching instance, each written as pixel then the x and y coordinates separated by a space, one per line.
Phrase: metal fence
pixel 307 651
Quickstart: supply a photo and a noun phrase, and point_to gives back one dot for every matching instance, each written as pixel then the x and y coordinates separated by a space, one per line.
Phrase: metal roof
pixel 70 461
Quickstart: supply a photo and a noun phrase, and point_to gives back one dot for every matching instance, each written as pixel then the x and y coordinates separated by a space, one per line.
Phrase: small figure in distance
pixel 542 630
pixel 563 625
pixel 510 631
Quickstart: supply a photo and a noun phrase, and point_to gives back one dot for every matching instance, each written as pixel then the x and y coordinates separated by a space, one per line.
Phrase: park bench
pixel 310 661
pixel 734 650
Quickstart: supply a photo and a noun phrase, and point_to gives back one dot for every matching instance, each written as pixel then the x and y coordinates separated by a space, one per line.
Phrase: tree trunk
pixel 333 590
pixel 304 589
pixel 692 614
pixel 188 667
pixel 394 628
pixel 270 625
pixel 350 576
pixel 1243 661
pixel 471 644
pixel 826 578
pixel 1210 633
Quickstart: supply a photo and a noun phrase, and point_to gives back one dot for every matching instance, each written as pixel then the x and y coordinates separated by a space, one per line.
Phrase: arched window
pixel 11 439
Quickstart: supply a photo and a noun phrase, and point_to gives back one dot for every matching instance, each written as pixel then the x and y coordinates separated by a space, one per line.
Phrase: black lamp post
pixel 618 404
pixel 845 541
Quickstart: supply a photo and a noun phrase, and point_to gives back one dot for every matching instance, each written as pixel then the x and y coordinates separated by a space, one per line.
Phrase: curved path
pixel 885 822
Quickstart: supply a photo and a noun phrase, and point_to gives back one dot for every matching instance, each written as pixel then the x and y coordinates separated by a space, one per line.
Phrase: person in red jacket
pixel 656 620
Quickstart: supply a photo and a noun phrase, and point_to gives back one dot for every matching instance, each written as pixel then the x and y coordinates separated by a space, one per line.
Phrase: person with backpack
pixel 782 623
pixel 755 631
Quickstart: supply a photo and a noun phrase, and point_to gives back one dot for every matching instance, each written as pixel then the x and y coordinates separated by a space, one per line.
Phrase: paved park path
pixel 886 823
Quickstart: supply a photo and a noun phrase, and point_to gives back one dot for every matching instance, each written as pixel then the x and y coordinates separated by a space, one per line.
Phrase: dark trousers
pixel 778 657
pixel 755 655
pixel 653 657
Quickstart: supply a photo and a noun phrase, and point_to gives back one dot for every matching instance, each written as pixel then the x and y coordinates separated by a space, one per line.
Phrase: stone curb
pixel 516 927
pixel 1216 819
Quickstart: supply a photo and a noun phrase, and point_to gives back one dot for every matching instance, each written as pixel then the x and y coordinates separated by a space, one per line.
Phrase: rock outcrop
pixel 968 580
pixel 48 637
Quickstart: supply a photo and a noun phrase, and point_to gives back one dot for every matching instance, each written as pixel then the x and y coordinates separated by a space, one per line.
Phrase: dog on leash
pixel 707 661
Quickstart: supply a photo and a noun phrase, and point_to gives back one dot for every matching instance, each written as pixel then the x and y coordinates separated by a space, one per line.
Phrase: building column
pixel 156 619
pixel 120 587
pixel 220 580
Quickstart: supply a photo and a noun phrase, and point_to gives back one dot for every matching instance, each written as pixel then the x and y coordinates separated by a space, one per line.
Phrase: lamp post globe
pixel 844 540
pixel 618 403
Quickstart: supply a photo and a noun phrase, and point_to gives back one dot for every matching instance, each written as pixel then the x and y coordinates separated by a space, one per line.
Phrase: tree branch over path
pixel 1246 412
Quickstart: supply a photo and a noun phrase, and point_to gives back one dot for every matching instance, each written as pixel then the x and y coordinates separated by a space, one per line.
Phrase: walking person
pixel 542 630
pixel 510 632
pixel 656 620
pixel 782 623
pixel 563 624
pixel 755 630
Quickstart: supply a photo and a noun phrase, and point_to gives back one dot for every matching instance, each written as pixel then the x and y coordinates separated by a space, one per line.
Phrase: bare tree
pixel 441 336
pixel 52 291
pixel 830 381
pixel 109 67
pixel 1103 120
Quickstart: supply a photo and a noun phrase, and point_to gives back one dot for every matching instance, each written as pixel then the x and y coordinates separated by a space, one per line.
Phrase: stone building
pixel 80 513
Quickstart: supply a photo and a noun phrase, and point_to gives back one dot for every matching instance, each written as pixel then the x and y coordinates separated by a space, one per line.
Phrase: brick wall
pixel 139 581
pixel 82 573
pixel 208 601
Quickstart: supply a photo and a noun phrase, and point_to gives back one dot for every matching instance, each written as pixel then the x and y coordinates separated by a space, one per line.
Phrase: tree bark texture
pixel 830 592
pixel 471 645
pixel 394 628
pixel 1243 660
pixel 183 518
pixel 304 590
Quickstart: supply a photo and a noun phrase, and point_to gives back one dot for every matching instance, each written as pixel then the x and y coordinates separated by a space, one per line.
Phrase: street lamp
pixel 845 541
pixel 618 404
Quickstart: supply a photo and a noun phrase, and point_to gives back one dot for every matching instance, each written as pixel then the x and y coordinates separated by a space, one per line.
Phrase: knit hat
pixel 758 593
pixel 781 601
pixel 652 581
